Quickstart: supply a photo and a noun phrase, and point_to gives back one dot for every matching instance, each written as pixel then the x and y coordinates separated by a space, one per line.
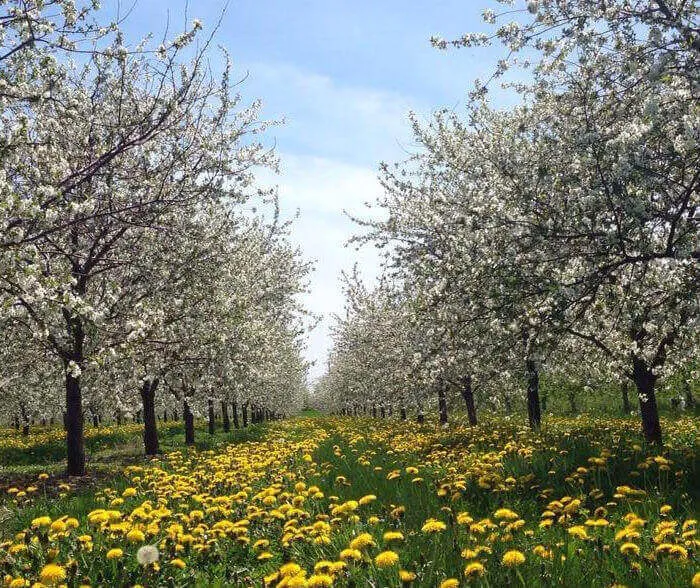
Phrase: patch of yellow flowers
pixel 275 507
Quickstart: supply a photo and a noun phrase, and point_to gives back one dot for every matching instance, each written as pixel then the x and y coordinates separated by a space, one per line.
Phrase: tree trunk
pixel 234 411
pixel 244 411
pixel 626 406
pixel 533 395
pixel 468 395
pixel 224 417
pixel 95 420
pixel 403 413
pixel 211 415
pixel 25 419
pixel 165 415
pixel 382 411
pixel 75 440
pixel 645 381
pixel 442 402
pixel 189 423
pixel 689 400
pixel 374 411
pixel 150 429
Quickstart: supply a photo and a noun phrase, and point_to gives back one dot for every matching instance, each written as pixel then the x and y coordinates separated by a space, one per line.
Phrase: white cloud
pixel 322 189
pixel 334 137
pixel 331 120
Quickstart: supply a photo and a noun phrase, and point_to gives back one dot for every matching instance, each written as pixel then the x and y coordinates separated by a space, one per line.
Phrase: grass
pixel 298 485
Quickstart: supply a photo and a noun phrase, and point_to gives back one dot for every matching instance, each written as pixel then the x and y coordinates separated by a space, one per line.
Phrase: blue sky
pixel 343 75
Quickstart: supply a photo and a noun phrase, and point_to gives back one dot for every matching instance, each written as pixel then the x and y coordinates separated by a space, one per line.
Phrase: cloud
pixel 334 137
pixel 321 189
pixel 329 119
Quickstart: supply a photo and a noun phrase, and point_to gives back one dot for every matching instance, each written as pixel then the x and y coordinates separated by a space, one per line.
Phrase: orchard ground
pixel 321 501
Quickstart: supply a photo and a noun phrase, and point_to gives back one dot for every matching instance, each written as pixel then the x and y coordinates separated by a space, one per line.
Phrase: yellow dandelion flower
pixel 513 558
pixel 386 559
pixel 474 569
pixel 433 526
pixel 115 553
pixel 52 574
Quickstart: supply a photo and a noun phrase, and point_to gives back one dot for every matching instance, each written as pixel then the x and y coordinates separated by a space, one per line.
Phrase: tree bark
pixel 374 411
pixel 533 395
pixel 645 380
pixel 189 423
pixel 442 402
pixel 224 416
pixel 150 429
pixel 468 395
pixel 626 406
pixel 689 400
pixel 75 440
pixel 403 413
pixel 244 411
pixel 211 416
pixel 25 419
pixel 234 411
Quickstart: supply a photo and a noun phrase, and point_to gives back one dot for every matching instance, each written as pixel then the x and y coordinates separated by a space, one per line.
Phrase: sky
pixel 343 75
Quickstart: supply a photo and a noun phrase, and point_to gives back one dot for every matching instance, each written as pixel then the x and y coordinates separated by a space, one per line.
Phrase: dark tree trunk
pixel 442 402
pixel 75 440
pixel 626 406
pixel 95 420
pixel 150 429
pixel 224 417
pixel 403 413
pixel 244 412
pixel 533 395
pixel 119 418
pixel 234 413
pixel 468 395
pixel 645 380
pixel 420 418
pixel 211 416
pixel 189 423
pixel 165 415
pixel 15 422
pixel 382 412
pixel 25 418
pixel 374 411
pixel 689 400
pixel 174 414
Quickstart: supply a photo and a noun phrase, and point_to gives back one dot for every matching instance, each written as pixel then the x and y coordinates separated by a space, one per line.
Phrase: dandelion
pixel 474 569
pixel 319 581
pixel 147 555
pixel 450 583
pixel 629 549
pixel 178 563
pixel 433 526
pixel 406 577
pixel 393 536
pixel 52 574
pixel 362 541
pixel 513 558
pixel 115 553
pixel 135 536
pixel 386 559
